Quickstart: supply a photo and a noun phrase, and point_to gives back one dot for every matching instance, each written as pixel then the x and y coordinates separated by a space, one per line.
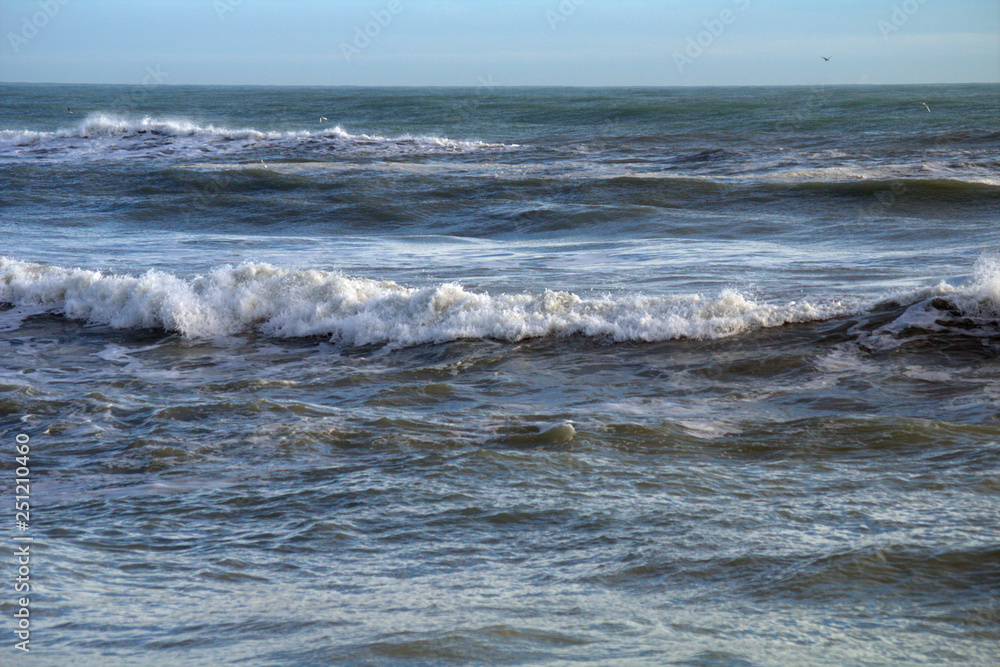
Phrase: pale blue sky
pixel 500 42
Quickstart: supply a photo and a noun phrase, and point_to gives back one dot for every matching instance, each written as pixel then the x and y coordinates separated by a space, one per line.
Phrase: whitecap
pixel 107 135
pixel 358 311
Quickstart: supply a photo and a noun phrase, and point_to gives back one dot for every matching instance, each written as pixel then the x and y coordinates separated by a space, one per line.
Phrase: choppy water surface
pixel 534 376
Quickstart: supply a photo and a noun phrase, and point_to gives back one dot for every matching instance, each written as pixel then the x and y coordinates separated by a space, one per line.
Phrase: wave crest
pixel 358 311
pixel 970 311
pixel 131 133
pixel 289 303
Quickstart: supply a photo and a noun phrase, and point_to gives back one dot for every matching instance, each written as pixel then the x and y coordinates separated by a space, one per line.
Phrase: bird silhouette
pixel 825 58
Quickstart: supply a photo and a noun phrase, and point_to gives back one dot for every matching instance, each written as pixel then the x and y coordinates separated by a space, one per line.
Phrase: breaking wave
pixel 957 312
pixel 269 300
pixel 357 311
pixel 103 134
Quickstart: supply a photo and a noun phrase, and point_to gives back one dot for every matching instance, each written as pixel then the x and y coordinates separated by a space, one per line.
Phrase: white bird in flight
pixel 322 118
pixel 926 107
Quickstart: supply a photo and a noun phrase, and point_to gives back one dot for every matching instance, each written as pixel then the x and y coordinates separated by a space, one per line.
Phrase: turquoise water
pixel 534 376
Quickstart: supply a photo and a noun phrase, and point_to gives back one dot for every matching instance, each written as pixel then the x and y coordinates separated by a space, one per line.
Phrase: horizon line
pixel 490 87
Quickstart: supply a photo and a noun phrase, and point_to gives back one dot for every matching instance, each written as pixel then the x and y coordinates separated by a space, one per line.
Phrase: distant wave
pixel 357 311
pixel 117 132
pixel 103 136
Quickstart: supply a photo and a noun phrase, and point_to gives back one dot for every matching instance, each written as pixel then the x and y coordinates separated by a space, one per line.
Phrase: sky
pixel 500 42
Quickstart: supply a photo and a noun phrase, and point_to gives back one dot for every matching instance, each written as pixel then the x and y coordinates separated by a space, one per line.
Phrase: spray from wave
pixel 967 311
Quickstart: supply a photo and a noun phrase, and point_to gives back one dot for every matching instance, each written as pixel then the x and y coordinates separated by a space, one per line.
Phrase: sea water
pixel 472 376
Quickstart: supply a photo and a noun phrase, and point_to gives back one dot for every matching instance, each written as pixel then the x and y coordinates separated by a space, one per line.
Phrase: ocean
pixel 638 376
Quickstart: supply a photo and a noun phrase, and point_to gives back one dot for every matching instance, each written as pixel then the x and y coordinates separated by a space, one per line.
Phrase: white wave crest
pixel 980 298
pixel 356 311
pixel 122 132
pixel 971 309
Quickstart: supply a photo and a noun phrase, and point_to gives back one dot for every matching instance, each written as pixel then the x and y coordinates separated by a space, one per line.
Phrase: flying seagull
pixel 322 118
pixel 825 58
pixel 926 107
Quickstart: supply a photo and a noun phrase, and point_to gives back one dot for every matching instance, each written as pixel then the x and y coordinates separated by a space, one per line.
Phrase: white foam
pixel 936 308
pixel 12 319
pixel 980 298
pixel 292 303
pixel 928 375
pixel 108 132
pixel 706 430
pixel 841 361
